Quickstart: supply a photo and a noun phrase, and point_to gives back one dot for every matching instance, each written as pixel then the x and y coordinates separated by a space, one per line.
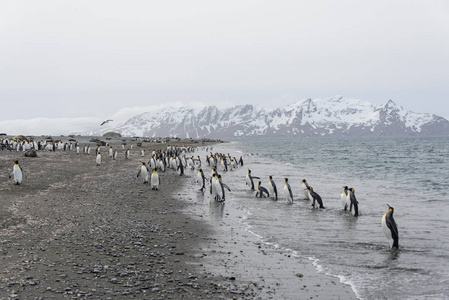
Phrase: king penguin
pixel 343 198
pixel 98 158
pixel 261 191
pixel 17 173
pixel 201 179
pixel 144 172
pixel 288 192
pixel 220 186
pixel 354 206
pixel 390 228
pixel 305 186
pixel 249 180
pixel 127 153
pixel 272 188
pixel 315 198
pixel 155 181
pixel 180 167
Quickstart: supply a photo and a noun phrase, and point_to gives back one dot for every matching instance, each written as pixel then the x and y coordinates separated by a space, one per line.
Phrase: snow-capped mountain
pixel 336 116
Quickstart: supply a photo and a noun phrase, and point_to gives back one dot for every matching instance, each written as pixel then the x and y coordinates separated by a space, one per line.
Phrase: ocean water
pixel 410 174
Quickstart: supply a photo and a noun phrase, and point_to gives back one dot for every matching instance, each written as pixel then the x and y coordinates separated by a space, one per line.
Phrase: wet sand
pixel 77 230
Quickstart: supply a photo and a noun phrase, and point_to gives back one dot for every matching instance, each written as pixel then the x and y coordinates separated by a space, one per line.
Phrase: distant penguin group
pixel 348 198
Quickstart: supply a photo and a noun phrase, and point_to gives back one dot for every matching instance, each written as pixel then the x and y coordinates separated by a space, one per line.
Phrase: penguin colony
pixel 179 158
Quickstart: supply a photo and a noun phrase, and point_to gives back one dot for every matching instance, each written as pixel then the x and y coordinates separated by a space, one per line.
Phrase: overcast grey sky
pixel 92 58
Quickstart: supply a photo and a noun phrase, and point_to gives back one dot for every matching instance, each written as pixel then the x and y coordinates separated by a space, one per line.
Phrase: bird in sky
pixel 104 122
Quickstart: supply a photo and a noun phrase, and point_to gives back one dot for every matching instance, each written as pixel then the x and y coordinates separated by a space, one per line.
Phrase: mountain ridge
pixel 334 116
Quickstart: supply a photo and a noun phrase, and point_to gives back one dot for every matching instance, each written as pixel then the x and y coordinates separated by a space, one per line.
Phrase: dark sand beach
pixel 76 230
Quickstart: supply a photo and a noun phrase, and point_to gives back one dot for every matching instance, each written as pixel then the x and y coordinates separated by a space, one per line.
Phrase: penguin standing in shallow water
pixel 315 198
pixel 217 191
pixel 17 172
pixel 220 189
pixel 305 186
pixel 249 180
pixel 201 179
pixel 390 228
pixel 272 188
pixel 354 203
pixel 213 189
pixel 261 191
pixel 343 198
pixel 288 192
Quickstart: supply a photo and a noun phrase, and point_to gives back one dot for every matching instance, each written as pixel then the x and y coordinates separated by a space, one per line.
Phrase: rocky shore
pixel 75 230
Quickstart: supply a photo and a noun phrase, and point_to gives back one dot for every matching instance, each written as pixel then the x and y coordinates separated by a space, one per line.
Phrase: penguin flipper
pixel 224 185
pixel 394 234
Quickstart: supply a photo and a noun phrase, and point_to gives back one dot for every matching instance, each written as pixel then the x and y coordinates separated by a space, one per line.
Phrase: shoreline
pixel 76 230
